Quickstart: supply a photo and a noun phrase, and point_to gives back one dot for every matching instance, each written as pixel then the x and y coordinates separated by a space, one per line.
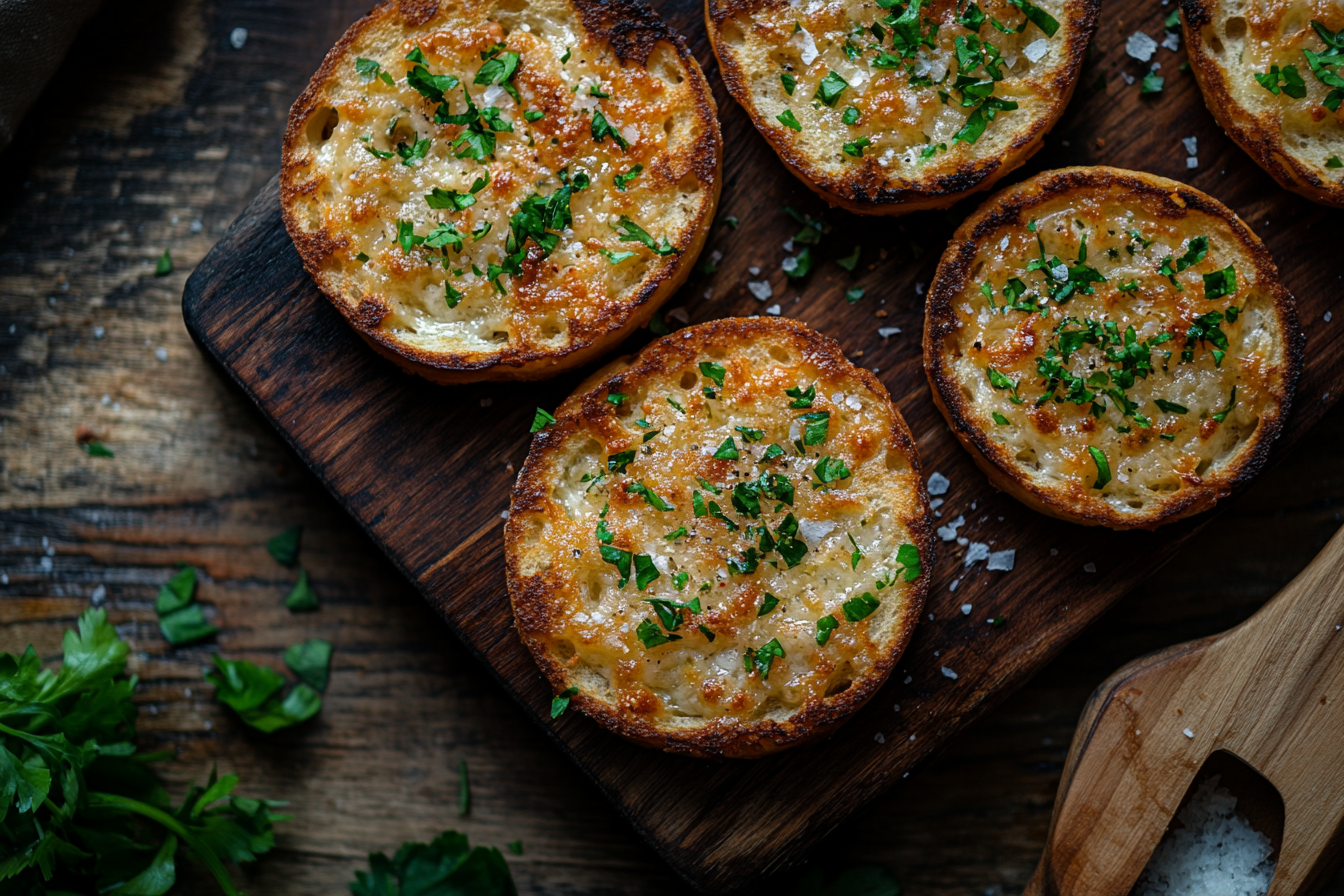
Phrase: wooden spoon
pixel 1270 692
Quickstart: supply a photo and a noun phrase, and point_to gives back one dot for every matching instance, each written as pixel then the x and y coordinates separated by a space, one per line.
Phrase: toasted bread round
pixel 881 114
pixel 1113 348
pixel 501 190
pixel 720 542
pixel 1278 103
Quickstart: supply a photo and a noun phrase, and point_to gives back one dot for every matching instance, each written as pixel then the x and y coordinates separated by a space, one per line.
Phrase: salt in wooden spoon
pixel 1270 692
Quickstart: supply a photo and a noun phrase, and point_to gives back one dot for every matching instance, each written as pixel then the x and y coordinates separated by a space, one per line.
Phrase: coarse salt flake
pixel 949 532
pixel 1002 561
pixel 807 47
pixel 949 673
pixel 1140 46
pixel 1172 41
pixel 879 737
pixel 976 552
pixel 773 309
pixel 1192 161
pixel 965 609
pixel 938 484
pixel 1089 567
pixel 760 289
pixel 238 38
pixel 1191 145
pixel 1188 733
pixel 1036 50
pixel 888 332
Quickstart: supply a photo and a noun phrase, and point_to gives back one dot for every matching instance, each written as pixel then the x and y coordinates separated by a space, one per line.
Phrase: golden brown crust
pixel 541 583
pixel 590 322
pixel 874 187
pixel 1271 370
pixel 1226 78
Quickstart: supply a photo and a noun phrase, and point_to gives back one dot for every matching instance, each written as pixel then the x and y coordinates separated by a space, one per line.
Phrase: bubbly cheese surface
pixel 917 89
pixel 601 149
pixel 1116 356
pixel 754 511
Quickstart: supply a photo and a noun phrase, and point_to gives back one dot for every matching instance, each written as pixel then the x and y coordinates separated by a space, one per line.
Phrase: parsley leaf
pixel 826 625
pixel 253 692
pixel 1103 467
pixel 560 702
pixel 650 497
pixel 802 398
pixel 541 420
pixel 311 662
pixel 789 120
pixel 446 865
pixel 634 233
pixel 623 180
pixel 1220 283
pixel 762 658
pixel 652 636
pixel 816 427
pixel 790 83
pixel 860 607
pixel 601 128
pixel 302 597
pixel 830 88
pixel 1286 80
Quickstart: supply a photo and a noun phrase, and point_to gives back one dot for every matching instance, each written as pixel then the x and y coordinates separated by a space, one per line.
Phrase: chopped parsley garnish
pixel 714 372
pixel 798 266
pixel 679 532
pixel 816 427
pixel 1286 80
pixel 746 565
pixel 1220 283
pixel 790 83
pixel 450 199
pixel 1103 467
pixel 451 297
pixel 652 636
pixel 727 451
pixel 788 119
pixel 907 555
pixel 541 420
pixel 860 607
pixel 768 603
pixel 499 68
pixel 850 261
pixel 999 380
pixel 650 497
pixel 705 630
pixel 616 398
pixel 1151 83
pixel 601 128
pixel 604 535
pixel 623 180
pixel 1037 16
pixel 374 151
pixel 619 559
pixel 615 257
pixel 1170 407
pixel 634 233
pixel 760 659
pixel 826 625
pixel 749 434
pixel 802 398
pixel 1231 403
pixel 853 294
pixel 645 571
pixel 560 702
pixel 368 69
pixel 1328 67
pixel 830 88
pixel 533 115
pixel 1000 419
pixel 857 556
pixel 831 469
pixel 855 148
pixel 431 87
pixel 1334 162
pixel 617 462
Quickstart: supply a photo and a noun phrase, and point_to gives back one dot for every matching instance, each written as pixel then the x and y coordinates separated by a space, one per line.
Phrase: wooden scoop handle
pixel 1270 692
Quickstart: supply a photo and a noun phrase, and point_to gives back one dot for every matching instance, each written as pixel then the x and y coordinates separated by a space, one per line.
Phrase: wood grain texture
pixel 423 470
pixel 1268 692
pixel 157 133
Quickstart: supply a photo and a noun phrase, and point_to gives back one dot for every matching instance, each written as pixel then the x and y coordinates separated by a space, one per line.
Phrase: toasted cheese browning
pixel 723 544
pixel 1121 356
pixel 498 184
pixel 1272 72
pixel 881 104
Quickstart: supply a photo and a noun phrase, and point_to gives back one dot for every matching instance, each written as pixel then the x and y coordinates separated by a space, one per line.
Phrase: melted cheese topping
pixel 1248 38
pixel 1048 439
pixel 591 272
pixel 686 682
pixel 897 97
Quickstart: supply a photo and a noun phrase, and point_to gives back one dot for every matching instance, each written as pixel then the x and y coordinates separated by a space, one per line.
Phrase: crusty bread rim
pixel 633 30
pixel 1264 145
pixel 660 358
pixel 1171 200
pixel 864 190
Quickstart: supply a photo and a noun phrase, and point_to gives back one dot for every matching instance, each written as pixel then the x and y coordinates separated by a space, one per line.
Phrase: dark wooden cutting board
pixel 427 470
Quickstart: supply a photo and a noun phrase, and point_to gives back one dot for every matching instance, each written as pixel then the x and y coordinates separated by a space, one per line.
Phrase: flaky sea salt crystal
pixel 760 289
pixel 1002 561
pixel 1140 46
pixel 1036 50
pixel 888 332
pixel 976 552
pixel 1191 145
pixel 938 484
pixel 949 673
pixel 773 309
pixel 949 532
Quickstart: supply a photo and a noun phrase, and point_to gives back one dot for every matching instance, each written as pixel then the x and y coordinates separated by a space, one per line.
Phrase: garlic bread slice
pixel 501 190
pixel 721 546
pixel 1272 74
pixel 1113 348
pixel 891 107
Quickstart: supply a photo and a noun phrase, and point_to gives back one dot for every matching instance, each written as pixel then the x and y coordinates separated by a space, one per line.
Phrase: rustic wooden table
pixel 155 134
